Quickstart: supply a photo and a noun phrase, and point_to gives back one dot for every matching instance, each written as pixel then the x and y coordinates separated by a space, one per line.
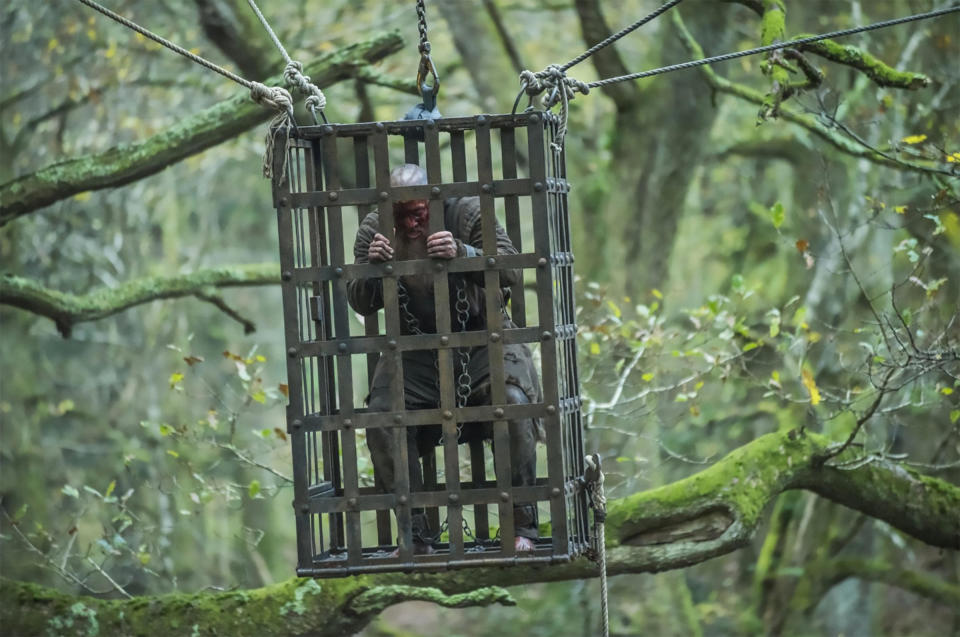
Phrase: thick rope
pixel 562 90
pixel 619 34
pixel 293 73
pixel 774 47
pixel 272 97
pixel 554 77
pixel 593 478
pixel 275 97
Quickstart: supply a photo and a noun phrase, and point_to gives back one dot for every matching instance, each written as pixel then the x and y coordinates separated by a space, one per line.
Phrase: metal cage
pixel 333 175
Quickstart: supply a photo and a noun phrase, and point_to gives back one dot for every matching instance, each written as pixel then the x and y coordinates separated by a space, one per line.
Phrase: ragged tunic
pixel 421 388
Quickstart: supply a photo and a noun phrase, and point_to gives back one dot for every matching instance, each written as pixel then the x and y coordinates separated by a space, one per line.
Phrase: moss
pixel 297 605
pixel 868 64
pixel 374 600
pixel 742 483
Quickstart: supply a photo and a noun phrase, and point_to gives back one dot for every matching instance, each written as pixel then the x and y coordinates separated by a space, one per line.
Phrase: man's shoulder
pixel 461 211
pixel 371 220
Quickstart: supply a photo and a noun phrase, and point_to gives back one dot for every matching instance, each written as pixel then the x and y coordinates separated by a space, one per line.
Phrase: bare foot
pixel 523 544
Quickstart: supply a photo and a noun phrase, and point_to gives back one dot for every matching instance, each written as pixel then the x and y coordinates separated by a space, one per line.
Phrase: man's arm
pixel 365 295
pixel 471 227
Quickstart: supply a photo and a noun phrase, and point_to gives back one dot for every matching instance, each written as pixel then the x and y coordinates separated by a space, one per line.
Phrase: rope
pixel 773 47
pixel 293 73
pixel 271 96
pixel 619 34
pixel 563 89
pixel 593 480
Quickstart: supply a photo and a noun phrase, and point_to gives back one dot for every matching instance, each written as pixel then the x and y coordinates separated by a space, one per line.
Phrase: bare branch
pixel 67 309
pixel 805 120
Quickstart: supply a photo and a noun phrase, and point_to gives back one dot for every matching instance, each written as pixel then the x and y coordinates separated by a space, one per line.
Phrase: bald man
pixel 461 237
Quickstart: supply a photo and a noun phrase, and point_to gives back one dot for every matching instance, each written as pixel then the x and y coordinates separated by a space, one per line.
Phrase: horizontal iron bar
pixel 361 419
pixel 421 499
pixel 338 567
pixel 372 196
pixel 415 266
pixel 416 342
pixel 445 124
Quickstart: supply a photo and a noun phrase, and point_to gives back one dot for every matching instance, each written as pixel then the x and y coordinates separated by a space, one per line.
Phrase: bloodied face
pixel 412 219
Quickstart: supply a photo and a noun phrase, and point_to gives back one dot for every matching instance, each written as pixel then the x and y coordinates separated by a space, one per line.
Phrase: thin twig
pixel 107 577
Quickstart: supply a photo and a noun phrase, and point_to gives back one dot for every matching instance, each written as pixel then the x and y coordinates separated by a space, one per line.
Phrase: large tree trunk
pixel 711 513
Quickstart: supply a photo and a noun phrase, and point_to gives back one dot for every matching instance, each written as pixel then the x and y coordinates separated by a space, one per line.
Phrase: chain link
pixel 422 27
pixel 462 307
pixel 464 382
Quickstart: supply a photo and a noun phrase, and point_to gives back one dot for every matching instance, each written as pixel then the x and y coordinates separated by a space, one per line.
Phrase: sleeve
pixel 470 238
pixel 365 295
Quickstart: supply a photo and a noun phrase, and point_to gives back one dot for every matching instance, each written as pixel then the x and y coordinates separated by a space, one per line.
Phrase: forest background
pixel 767 249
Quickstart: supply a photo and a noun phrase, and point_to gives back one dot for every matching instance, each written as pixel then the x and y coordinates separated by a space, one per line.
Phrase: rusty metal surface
pixel 335 175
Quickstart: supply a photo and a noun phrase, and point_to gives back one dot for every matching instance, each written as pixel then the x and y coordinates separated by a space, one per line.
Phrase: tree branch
pixel 232 27
pixel 710 513
pixel 124 164
pixel 805 120
pixel 67 309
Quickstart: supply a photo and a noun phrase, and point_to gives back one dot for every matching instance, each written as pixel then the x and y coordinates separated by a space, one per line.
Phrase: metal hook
pixel 427 66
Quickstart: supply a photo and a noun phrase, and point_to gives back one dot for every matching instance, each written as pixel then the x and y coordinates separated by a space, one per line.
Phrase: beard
pixel 408 249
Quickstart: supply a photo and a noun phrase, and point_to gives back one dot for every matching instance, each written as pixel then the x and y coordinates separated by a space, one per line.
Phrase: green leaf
pixel 175 379
pixel 777 214
pixel 647 377
pixel 110 488
pixel 254 489
pixel 70 491
pixel 750 346
pixel 260 397
pixel 736 282
pixel 954 416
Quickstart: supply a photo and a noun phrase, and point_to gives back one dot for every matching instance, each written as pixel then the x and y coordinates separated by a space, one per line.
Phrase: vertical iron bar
pixel 508 155
pixel 381 157
pixel 548 352
pixel 371 327
pixel 494 320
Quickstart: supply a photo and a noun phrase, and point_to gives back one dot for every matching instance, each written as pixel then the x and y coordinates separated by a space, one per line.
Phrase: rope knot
pixel 293 76
pixel 562 90
pixel 275 97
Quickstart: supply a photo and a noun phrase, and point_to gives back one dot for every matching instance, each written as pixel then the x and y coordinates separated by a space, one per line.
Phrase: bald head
pixel 408 175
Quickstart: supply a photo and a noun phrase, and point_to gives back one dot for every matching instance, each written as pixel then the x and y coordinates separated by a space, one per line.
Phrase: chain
pixel 463 380
pixel 422 27
pixel 413 323
pixel 462 307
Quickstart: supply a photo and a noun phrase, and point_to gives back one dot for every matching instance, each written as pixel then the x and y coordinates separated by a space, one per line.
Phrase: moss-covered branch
pixel 881 73
pixel 808 121
pixel 67 309
pixel 710 513
pixel 197 132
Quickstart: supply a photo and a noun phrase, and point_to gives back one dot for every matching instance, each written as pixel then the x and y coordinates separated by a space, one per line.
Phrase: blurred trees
pixel 755 257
